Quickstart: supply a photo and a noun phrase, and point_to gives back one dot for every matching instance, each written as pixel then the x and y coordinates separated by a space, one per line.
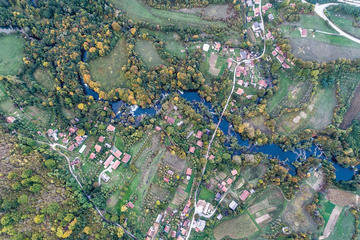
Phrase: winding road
pixel 217 126
pixel 320 8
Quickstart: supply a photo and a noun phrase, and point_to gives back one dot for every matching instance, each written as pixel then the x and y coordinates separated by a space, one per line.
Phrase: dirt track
pixel 353 111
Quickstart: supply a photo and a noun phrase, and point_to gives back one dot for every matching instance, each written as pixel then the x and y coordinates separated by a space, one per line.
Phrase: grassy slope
pixel 344 22
pixel 136 10
pixel 282 92
pixel 344 227
pixel 11 54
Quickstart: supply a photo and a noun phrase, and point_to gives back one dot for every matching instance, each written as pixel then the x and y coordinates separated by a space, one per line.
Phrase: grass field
pixel 11 54
pixel 326 208
pixel 44 78
pixel 206 195
pixel 239 227
pixel 139 12
pixel 148 53
pixel 107 70
pixel 316 23
pixel 344 22
pixel 344 227
pixel 173 43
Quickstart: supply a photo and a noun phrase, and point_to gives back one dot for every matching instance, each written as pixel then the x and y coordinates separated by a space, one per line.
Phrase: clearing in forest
pixel 107 70
pixel 11 54
pixel 137 11
pixel 44 78
pixel 238 227
pixel 148 53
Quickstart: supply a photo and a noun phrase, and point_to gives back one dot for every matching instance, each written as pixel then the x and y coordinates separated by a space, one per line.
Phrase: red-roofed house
pixel 274 53
pixel 170 120
pixel 110 128
pixel 199 143
pixel 257 12
pixel 92 155
pixel 229 181
pixel 240 91
pixel 212 157
pixel 285 65
pixel 303 33
pixel 217 46
pixel 101 139
pixel 280 58
pixel 117 153
pixel 229 62
pixel 10 119
pixel 192 149
pixel 97 148
pixel 263 83
pixel 71 147
pixel 188 171
pixel 109 160
pixel 126 158
pixel 157 128
pixel 72 130
pixel 244 195
pixel 234 172
pixel 199 134
pixel 130 205
pixel 224 189
pixel 116 164
pixel 166 180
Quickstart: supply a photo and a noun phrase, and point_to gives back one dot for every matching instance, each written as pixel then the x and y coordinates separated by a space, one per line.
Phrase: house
pixel 263 83
pixel 243 54
pixel 274 53
pixel 244 195
pixel 173 234
pixel 199 134
pixel 116 153
pixel 167 229
pixel 303 32
pixel 271 17
pixel 200 225
pixel 10 119
pixel 72 130
pixel 219 217
pixel 249 18
pixel 80 139
pixel 97 148
pixel 256 26
pixel 65 140
pixel 257 1
pixel 217 46
pixel 170 172
pixel 157 128
pixel 108 160
pixel 233 205
pixel 199 143
pixel 280 58
pixel 212 157
pixel 240 91
pixel 82 149
pixel 206 47
pixel 285 65
pixel 192 149
pixel 234 172
pixel 130 205
pixel 101 139
pixel 269 35
pixel 71 147
pixel 170 120
pixel 229 62
pixel 151 232
pixel 105 177
pixel 279 50
pixel 126 158
pixel 229 181
pixel 188 171
pixel 110 128
pixel 166 180
pixel 116 164
pixel 224 189
pixel 249 3
pixel 92 155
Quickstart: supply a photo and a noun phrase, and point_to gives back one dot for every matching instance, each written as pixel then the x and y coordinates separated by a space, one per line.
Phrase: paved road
pixel 320 8
pixel 217 126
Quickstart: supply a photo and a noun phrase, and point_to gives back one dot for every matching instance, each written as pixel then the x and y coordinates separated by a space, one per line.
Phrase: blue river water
pixel 287 158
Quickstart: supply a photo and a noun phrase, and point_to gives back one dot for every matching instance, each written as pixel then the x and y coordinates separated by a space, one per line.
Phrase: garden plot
pixel 107 70
pixel 11 54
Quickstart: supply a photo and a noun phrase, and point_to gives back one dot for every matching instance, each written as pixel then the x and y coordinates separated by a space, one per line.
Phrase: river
pixel 287 158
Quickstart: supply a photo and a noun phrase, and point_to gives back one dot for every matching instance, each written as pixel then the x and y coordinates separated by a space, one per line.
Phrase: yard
pixel 107 70
pixel 148 53
pixel 11 54
pixel 239 227
pixel 206 195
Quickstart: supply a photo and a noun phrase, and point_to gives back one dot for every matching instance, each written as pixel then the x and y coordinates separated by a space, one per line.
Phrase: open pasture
pixel 44 78
pixel 11 54
pixel 137 11
pixel 107 70
pixel 148 53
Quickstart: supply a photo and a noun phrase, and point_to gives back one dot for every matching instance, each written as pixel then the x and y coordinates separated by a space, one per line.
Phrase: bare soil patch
pixel 354 110
pixel 212 63
pixel 342 198
pixel 175 163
